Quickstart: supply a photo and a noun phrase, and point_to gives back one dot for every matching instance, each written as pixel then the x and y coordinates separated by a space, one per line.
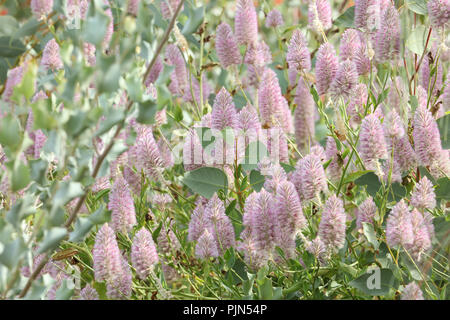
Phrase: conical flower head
pixel 206 246
pixel 334 169
pixel 264 222
pixel 304 116
pixel 427 139
pixel 199 222
pixel 430 83
pixel 88 293
pixel 366 212
pixel 121 203
pixel 109 265
pixel 41 8
pixel 345 80
pixel 372 143
pixel 15 76
pixel 145 153
pixel 423 196
pixel 246 22
pixel 220 224
pixel 288 209
pixel 274 19
pixel 367 14
pixel 154 72
pixel 248 119
pixel 298 57
pixel 272 105
pixel 223 113
pixel 133 6
pixel 109 30
pixel 50 56
pixel 422 240
pixel 387 41
pixel 179 77
pixel 312 179
pixel 332 223
pixel 143 253
pixel 326 67
pixel 168 8
pixel 350 44
pixel 226 46
pixel 439 13
pixel 412 292
pixel 319 15
pixel 399 229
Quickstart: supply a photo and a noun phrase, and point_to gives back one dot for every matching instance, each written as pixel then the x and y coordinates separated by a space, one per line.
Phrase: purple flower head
pixel 41 8
pixel 145 154
pixel 88 293
pixel 350 44
pixel 248 121
pixel 317 248
pixel 345 80
pixel 274 19
pixel 332 223
pixel 121 203
pixel 263 224
pixel 367 13
pixel 226 46
pixel 427 140
pixel 412 292
pixel 109 265
pixel 398 142
pixel 179 76
pixel 326 67
pixel 143 253
pixel 446 96
pixel 288 209
pixel 356 103
pixel 387 39
pixel 399 228
pixel 109 29
pixel 439 13
pixel 223 113
pixel 272 105
pixel 206 246
pixel 199 222
pixel 154 72
pixel 168 242
pixel 220 224
pixel 304 121
pixel 275 175
pixel 257 58
pixel 361 59
pixel 311 177
pixel 422 240
pixel 133 7
pixel 298 57
pixel 89 53
pixel 366 212
pixel 246 22
pixel 423 196
pixel 168 8
pixel 50 56
pixel 319 15
pixel 426 82
pixel 372 143
pixel 14 78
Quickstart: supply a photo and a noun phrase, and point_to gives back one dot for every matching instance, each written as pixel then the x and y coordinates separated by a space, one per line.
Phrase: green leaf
pixel 443 189
pixel 52 239
pixel 355 175
pixel 20 177
pixel 346 20
pixel 8 25
pixel 206 181
pixel 370 180
pixel 205 135
pixel 265 290
pixel 113 117
pixel 12 252
pixel 26 87
pixel 65 291
pixel 416 39
pixel 370 234
pixel 287 167
pixel 94 28
pixel 257 180
pixel 378 282
pixel 10 132
pixel 146 112
pixel 417 6
pixel 195 18
pixel 444 130
pixel 397 192
pixel 10 47
pixel 28 28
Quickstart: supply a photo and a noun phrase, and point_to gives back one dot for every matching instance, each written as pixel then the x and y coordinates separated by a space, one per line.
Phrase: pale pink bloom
pixel 298 57
pixel 51 58
pixel 226 46
pixel 304 122
pixel 387 41
pixel 423 196
pixel 332 223
pixel 345 80
pixel 41 8
pixel 439 13
pixel 319 15
pixel 399 228
pixel 121 204
pixel 326 67
pixel 246 22
pixel 412 292
pixel 143 253
pixel 372 145
pixel 274 19
pixel 366 212
pixel 223 113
